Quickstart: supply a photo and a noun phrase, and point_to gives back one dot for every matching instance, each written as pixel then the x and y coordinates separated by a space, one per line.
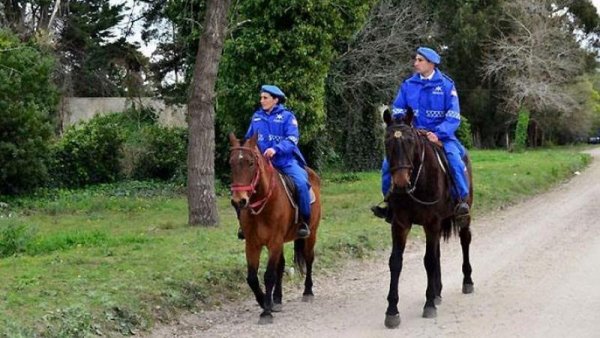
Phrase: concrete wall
pixel 76 109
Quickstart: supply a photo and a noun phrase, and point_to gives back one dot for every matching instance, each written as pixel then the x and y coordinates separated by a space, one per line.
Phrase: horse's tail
pixel 449 227
pixel 299 258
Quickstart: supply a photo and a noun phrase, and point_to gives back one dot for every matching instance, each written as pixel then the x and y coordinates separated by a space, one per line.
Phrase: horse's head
pixel 401 142
pixel 245 173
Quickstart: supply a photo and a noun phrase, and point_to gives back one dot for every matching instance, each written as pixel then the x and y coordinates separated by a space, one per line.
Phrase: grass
pixel 115 259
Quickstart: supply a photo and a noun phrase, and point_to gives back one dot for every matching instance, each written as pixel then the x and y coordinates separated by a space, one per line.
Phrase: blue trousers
pixel 454 152
pixel 300 178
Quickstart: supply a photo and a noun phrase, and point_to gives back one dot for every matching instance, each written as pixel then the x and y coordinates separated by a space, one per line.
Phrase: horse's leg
pixel 465 241
pixel 253 260
pixel 275 252
pixel 438 278
pixel 431 261
pixel 309 257
pixel 277 294
pixel 399 235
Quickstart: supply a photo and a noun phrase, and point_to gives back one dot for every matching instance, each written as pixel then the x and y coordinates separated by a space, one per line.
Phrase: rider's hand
pixel 269 153
pixel 432 137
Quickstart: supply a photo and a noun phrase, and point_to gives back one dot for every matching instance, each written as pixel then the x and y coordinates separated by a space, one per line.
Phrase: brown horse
pixel 421 194
pixel 267 218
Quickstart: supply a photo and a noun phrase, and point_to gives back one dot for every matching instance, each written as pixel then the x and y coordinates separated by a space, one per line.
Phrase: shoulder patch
pixel 294 121
pixel 453 92
pixel 446 77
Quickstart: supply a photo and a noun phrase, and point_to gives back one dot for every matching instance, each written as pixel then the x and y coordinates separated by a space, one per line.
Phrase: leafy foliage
pixel 521 130
pixel 15 236
pixel 88 153
pixel 164 154
pixel 28 101
pixel 93 61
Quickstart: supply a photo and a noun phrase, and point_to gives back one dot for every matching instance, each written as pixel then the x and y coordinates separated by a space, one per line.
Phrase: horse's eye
pixel 251 163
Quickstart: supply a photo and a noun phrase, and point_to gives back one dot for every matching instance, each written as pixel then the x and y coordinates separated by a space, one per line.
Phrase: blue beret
pixel 430 55
pixel 273 90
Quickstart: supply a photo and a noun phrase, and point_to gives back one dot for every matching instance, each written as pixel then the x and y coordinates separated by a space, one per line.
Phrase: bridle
pixel 413 183
pixel 251 188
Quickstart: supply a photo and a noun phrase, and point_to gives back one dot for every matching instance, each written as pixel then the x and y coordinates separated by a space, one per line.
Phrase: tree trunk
pixel 202 205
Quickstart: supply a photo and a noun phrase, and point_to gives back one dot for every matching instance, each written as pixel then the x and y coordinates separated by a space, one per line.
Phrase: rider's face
pixel 422 66
pixel 267 102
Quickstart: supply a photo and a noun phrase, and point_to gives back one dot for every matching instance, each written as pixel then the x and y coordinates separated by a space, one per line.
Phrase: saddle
pixel 292 194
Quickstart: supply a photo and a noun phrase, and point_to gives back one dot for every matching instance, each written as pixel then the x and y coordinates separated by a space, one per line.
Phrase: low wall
pixel 76 109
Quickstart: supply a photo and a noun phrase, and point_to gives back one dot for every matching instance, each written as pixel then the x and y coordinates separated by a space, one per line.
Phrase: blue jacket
pixel 277 130
pixel 434 102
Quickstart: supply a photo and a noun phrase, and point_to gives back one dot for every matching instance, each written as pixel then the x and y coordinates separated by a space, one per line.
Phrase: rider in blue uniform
pixel 432 97
pixel 278 136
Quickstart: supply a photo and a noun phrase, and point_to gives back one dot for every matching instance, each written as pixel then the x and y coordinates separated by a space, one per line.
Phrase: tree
pixel 534 60
pixel 367 75
pixel 201 175
pixel 175 25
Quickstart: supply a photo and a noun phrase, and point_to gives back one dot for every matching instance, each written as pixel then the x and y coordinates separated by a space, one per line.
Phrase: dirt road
pixel 536 268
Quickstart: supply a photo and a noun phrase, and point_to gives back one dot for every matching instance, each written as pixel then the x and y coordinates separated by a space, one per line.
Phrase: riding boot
pixel 461 214
pixel 303 230
pixel 382 212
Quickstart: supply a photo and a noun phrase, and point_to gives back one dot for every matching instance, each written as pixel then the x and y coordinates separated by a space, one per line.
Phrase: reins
pixel 260 204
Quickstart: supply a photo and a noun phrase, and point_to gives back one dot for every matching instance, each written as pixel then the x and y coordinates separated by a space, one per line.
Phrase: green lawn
pixel 117 258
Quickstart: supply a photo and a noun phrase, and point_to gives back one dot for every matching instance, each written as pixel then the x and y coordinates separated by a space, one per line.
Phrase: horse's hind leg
pixel 277 294
pixel 465 241
pixel 431 261
pixel 309 257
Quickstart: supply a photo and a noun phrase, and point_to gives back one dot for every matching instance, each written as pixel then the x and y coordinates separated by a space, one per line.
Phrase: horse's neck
pixel 431 170
pixel 266 178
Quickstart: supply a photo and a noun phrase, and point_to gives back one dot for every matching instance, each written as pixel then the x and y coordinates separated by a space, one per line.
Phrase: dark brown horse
pixel 421 195
pixel 267 219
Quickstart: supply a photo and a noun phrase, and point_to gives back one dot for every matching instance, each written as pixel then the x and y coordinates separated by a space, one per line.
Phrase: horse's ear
pixel 387 117
pixel 251 143
pixel 233 141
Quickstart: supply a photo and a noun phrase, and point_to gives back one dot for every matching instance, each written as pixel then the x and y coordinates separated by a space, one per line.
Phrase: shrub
pixel 521 130
pixel 28 101
pixel 464 133
pixel 89 153
pixel 14 237
pixel 163 154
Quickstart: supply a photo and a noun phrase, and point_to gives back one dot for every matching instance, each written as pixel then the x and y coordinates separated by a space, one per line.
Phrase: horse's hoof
pixel 437 300
pixel 308 298
pixel 468 288
pixel 277 307
pixel 429 312
pixel 265 319
pixel 392 321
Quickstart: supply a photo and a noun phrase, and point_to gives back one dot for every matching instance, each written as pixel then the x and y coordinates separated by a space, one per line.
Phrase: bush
pixel 162 155
pixel 464 133
pixel 521 130
pixel 28 101
pixel 89 153
pixel 14 237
